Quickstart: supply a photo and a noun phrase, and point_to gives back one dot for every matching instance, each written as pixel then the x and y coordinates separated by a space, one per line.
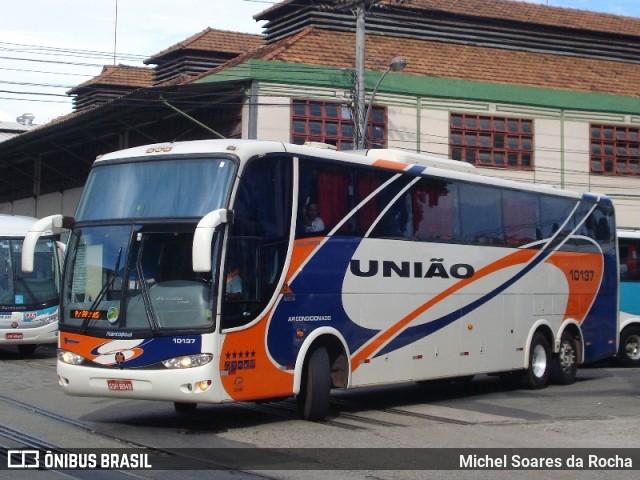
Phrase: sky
pixel 48 47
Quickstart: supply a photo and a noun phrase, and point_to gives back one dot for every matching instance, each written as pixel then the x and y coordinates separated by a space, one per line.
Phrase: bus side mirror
pixel 39 228
pixel 203 236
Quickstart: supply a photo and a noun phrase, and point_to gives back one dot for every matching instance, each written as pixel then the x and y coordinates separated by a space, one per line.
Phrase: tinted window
pixel 480 213
pixel 258 240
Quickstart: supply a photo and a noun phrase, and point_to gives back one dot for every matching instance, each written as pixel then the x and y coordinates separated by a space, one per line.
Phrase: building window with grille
pixel 332 123
pixel 615 150
pixel 489 141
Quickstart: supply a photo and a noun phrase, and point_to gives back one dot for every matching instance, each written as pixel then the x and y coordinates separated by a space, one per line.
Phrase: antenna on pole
pixel 115 35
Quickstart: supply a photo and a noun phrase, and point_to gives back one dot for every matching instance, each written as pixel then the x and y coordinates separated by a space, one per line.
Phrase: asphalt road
pixel 600 411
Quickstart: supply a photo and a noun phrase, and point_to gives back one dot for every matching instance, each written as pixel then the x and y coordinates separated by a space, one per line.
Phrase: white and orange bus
pixel 28 301
pixel 192 276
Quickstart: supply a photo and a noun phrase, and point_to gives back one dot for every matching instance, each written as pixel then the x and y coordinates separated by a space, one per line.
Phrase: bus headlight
pixel 50 318
pixel 188 361
pixel 69 357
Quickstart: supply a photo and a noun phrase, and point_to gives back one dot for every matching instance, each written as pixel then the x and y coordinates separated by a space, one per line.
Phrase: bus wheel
pixel 629 350
pixel 184 407
pixel 537 374
pixel 27 349
pixel 313 399
pixel 565 362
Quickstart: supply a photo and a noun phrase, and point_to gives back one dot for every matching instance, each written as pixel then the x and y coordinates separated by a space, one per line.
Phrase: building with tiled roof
pixel 523 91
pixel 200 53
pixel 113 82
pixel 493 16
pixel 427 58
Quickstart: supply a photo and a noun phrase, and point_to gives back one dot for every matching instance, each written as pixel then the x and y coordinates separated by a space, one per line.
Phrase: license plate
pixel 120 384
pixel 13 336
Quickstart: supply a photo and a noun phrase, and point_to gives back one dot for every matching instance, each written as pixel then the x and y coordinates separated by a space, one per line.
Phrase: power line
pixel 30 84
pixel 35 93
pixel 26 70
pixel 77 64
pixel 61 51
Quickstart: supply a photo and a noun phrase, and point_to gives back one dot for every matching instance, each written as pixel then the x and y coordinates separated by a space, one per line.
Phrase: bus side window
pixel 520 218
pixel 6 275
pixel 632 261
pixel 434 205
pixel 553 212
pixel 481 214
pixel 629 259
pixel 333 196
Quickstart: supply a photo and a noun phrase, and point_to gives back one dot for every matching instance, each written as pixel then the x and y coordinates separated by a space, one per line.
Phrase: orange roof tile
pixel 514 10
pixel 119 76
pixel 455 61
pixel 214 40
pixel 530 13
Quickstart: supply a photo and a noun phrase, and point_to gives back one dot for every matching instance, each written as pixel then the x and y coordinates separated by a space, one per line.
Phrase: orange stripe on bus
pixel 390 164
pixel 584 282
pixel 302 249
pixel 255 376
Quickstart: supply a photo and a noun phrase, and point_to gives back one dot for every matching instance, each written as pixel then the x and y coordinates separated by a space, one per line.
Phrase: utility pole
pixel 359 107
pixel 359 125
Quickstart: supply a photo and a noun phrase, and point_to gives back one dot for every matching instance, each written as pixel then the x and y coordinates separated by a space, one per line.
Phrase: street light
pixel 397 65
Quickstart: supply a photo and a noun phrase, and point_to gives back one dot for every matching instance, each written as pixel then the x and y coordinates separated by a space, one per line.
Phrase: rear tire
pixel 537 375
pixel 565 362
pixel 184 407
pixel 315 390
pixel 629 350
pixel 27 349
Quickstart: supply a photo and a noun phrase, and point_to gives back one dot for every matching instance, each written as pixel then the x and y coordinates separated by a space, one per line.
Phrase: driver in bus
pixel 233 290
pixel 312 221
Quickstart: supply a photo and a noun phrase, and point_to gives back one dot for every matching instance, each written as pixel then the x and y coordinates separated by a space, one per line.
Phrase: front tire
pixel 313 399
pixel 537 375
pixel 565 362
pixel 629 350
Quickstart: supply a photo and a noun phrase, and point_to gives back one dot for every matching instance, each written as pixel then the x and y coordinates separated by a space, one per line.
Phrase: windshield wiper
pixel 27 289
pixel 103 291
pixel 144 289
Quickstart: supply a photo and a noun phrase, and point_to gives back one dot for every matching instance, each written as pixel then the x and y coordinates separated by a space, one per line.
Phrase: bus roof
pixel 15 226
pixel 628 232
pixel 384 158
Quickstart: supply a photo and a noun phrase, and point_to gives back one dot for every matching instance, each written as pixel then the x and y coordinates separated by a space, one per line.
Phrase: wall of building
pixel 561 146
pixel 45 205
pixel 274 118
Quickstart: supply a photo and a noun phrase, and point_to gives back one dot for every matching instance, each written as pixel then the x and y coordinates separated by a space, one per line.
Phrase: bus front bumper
pixel 193 385
pixel 47 333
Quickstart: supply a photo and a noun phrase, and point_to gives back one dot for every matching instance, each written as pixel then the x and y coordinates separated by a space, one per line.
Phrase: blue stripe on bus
pixel 318 302
pixel 416 169
pixel 591 197
pixel 598 325
pixel 161 348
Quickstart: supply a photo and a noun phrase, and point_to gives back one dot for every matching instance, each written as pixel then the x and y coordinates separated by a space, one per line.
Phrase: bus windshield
pixel 173 188
pixel 37 288
pixel 135 278
pixel 138 275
